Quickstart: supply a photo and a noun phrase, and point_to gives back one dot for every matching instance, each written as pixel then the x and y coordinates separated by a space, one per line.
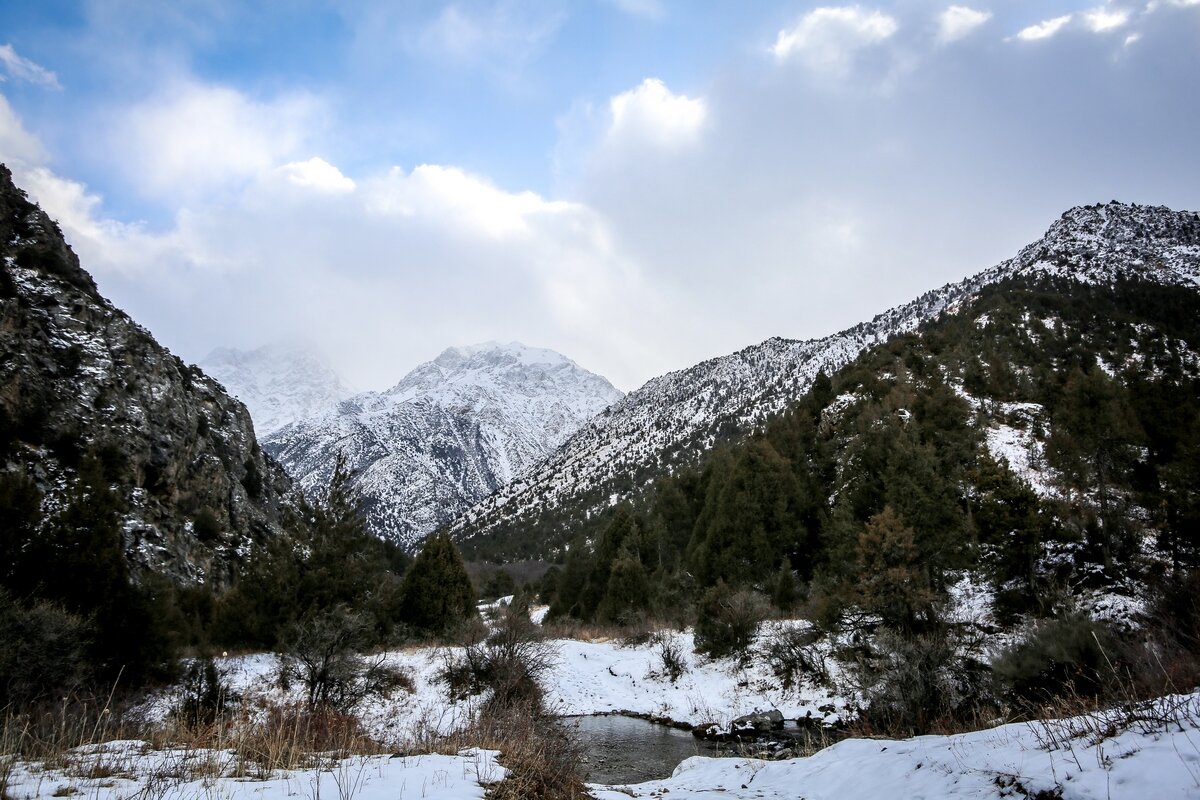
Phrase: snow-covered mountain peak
pixel 496 353
pixel 280 383
pixel 1108 241
pixel 452 431
pixel 491 373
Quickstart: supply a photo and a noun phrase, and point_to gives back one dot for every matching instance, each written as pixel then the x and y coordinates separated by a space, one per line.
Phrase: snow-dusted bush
pixel 670 653
pixel 727 621
pixel 914 683
pixel 1072 655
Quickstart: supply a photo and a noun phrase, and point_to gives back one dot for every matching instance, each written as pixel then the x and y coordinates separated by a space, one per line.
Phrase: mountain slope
pixel 82 386
pixel 279 384
pixel 672 419
pixel 1042 442
pixel 451 432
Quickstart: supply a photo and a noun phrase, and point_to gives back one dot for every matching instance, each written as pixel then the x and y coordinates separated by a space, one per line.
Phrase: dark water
pixel 629 750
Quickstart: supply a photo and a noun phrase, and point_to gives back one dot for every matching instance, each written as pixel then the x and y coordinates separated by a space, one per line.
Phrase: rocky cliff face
pixel 80 379
pixel 672 419
pixel 451 432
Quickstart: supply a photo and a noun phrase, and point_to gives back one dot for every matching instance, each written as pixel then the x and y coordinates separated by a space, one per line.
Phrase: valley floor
pixel 1153 752
pixel 587 677
pixel 1150 752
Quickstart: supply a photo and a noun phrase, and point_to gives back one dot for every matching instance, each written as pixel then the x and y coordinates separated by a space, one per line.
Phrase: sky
pixel 638 184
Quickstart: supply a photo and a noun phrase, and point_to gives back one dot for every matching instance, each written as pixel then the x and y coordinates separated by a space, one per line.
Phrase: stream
pixel 618 749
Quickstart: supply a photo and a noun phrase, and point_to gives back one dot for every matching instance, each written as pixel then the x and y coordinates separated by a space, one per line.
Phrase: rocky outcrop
pixel 79 379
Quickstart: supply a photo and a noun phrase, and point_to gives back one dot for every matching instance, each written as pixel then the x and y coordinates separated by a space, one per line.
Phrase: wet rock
pixel 758 722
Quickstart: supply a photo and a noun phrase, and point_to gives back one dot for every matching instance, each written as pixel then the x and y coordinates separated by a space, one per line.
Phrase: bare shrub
pixel 1068 656
pixel 795 654
pixel 921 683
pixel 296 737
pixel 1169 659
pixel 206 694
pixel 321 653
pixel 44 652
pixel 671 656
pixel 541 765
pixel 635 629
pixel 510 663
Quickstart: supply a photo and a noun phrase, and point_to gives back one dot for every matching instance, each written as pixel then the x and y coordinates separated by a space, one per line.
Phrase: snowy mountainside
pixel 279 384
pixel 671 419
pixel 449 433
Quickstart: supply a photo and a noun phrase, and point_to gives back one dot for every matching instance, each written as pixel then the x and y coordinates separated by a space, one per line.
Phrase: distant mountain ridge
pixel 452 431
pixel 671 419
pixel 280 384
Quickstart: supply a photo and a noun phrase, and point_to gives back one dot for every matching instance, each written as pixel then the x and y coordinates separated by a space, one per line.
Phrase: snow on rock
pixel 451 432
pixel 1069 759
pixel 1020 447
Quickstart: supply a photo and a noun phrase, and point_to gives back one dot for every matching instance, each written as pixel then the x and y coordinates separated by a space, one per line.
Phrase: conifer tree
pixel 437 595
pixel 569 584
pixel 628 590
pixel 891 580
pixel 755 521
pixel 1091 446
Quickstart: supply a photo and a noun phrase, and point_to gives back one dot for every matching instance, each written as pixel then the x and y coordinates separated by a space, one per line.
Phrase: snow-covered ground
pixel 603 677
pixel 587 677
pixel 1151 753
pixel 1073 759
pixel 130 769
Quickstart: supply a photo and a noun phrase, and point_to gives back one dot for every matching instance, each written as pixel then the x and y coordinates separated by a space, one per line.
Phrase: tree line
pixel 74 618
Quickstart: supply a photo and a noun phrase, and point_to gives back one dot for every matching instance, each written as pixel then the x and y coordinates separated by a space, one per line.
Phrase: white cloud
pixel 957 22
pixel 448 196
pixel 1154 5
pixel 23 69
pixel 385 270
pixel 455 33
pixel 103 245
pixel 192 138
pixel 317 173
pixel 502 31
pixel 650 113
pixel 1044 29
pixel 1103 20
pixel 826 39
pixel 17 145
